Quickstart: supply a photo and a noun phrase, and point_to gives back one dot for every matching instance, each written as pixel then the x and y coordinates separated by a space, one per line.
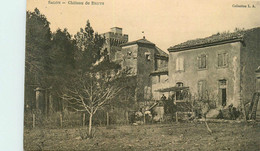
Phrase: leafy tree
pixel 37 58
pixel 89 47
pixel 38 45
pixel 62 58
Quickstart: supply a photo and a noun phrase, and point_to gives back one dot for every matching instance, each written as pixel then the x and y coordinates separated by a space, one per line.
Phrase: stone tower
pixel 114 38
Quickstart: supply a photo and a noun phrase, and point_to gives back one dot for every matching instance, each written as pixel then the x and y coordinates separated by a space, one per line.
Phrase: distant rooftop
pixel 158 51
pixel 212 40
pixel 139 41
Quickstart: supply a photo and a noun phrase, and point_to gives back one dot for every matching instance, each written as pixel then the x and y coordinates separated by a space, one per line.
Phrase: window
pixel 179 84
pixel 179 64
pixel 156 64
pixel 201 88
pixel 147 56
pixel 222 59
pixel 202 61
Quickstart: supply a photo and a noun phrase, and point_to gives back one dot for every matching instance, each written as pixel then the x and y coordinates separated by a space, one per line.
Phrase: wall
pixel 160 63
pixel 144 69
pixel 250 60
pixel 159 81
pixel 130 60
pixel 191 75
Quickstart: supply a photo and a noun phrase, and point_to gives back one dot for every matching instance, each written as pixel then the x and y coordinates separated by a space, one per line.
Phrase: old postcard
pixel 142 75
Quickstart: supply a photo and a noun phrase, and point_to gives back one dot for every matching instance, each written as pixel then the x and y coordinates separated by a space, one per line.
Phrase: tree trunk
pixel 206 123
pixel 83 119
pixel 90 125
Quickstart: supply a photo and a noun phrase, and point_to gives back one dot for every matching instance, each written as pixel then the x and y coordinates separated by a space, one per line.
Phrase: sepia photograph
pixel 142 75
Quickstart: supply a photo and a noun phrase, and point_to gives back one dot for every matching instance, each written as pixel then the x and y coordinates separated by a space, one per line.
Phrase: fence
pixel 68 119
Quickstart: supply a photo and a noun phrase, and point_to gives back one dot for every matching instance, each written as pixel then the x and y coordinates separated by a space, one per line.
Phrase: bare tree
pixel 90 92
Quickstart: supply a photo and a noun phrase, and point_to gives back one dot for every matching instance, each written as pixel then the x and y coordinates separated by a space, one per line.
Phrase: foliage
pixel 62 59
pixel 38 47
pixel 89 46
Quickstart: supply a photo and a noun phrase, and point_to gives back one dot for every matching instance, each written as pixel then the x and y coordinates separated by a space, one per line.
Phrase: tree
pixel 37 58
pixel 89 46
pixel 38 45
pixel 62 59
pixel 91 91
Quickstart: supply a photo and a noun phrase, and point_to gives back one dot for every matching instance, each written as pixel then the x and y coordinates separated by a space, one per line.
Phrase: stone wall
pixel 144 68
pixel 250 60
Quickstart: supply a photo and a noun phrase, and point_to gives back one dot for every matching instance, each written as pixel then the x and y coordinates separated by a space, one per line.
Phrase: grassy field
pixel 176 136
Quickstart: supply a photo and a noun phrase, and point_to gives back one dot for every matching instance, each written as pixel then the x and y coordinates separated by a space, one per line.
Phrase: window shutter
pixel 181 64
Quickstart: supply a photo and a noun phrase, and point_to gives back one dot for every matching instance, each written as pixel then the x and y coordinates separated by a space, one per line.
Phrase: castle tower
pixel 114 38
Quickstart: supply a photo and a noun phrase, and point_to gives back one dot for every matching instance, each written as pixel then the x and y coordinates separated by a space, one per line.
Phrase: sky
pixel 164 22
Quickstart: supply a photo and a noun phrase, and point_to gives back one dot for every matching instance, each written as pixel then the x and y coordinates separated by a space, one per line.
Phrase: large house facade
pixel 221 66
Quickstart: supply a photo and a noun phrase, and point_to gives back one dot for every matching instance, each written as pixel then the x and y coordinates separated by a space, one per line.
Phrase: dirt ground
pixel 176 136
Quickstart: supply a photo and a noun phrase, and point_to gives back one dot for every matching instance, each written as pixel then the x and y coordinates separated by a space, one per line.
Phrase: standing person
pixel 163 98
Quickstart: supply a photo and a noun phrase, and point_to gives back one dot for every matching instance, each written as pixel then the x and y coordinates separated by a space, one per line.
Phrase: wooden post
pixel 83 119
pixel 33 118
pixel 127 120
pixel 50 104
pixel 144 117
pixel 46 102
pixel 107 118
pixel 176 116
pixel 60 120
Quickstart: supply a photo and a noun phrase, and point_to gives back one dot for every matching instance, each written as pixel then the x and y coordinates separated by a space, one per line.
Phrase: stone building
pixel 143 58
pixel 159 80
pixel 114 38
pixel 222 65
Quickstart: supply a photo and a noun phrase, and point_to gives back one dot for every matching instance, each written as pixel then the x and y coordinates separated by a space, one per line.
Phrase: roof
pixel 160 52
pixel 172 89
pixel 140 41
pixel 219 38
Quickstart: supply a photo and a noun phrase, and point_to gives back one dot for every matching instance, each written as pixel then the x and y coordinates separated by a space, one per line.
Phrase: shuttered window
pixel 222 59
pixel 202 61
pixel 179 64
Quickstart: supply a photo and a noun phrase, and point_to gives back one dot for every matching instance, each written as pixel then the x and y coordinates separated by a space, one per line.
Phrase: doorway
pixel 223 92
pixel 224 97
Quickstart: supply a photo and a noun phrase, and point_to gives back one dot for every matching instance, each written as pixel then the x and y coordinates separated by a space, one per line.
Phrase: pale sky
pixel 164 22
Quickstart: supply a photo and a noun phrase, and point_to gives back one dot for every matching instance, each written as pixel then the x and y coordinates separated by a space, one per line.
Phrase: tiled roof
pixel 140 41
pixel 160 52
pixel 211 40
